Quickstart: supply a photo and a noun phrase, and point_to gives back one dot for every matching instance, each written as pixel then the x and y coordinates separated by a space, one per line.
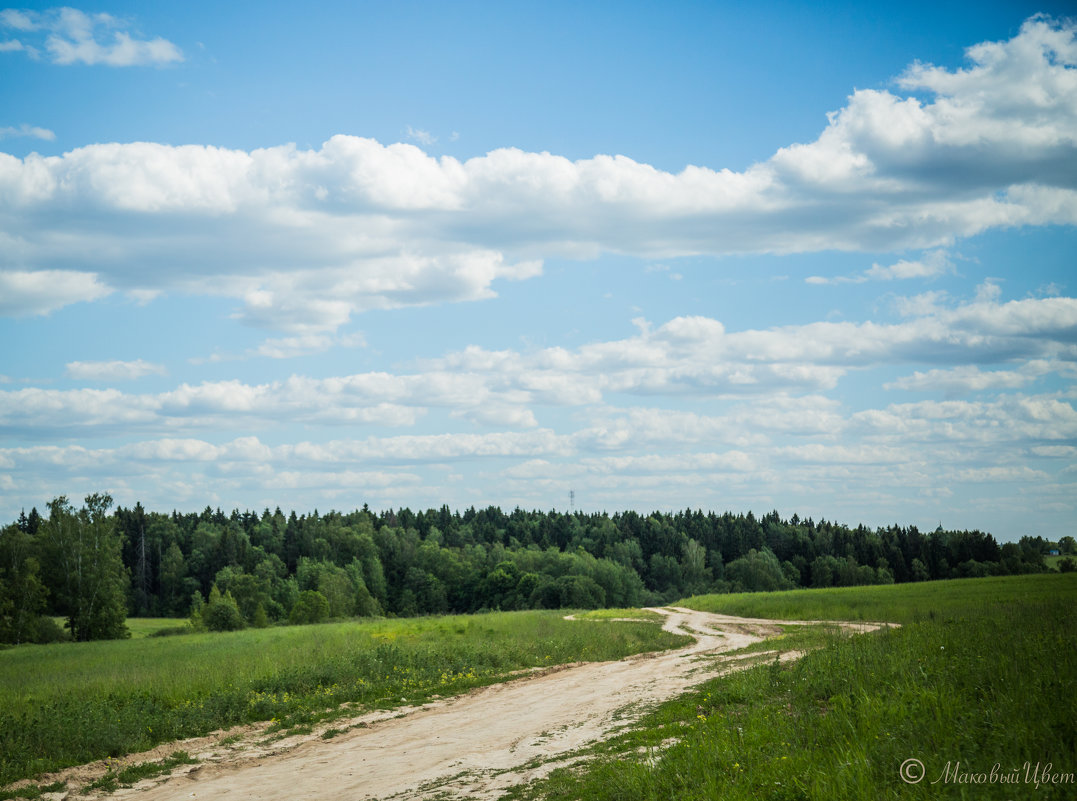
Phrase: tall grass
pixel 982 672
pixel 70 703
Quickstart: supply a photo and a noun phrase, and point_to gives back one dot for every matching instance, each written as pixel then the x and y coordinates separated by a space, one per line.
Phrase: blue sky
pixel 819 260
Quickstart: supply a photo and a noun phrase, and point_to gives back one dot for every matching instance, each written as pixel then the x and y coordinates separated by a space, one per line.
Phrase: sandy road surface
pixel 475 745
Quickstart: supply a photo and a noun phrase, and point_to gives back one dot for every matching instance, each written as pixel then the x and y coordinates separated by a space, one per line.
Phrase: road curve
pixel 475 745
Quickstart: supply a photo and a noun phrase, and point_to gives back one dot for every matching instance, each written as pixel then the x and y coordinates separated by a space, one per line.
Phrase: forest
pixel 94 566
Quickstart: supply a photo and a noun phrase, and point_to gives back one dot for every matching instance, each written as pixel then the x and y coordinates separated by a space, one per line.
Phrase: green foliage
pixel 312 607
pixel 46 630
pixel 73 703
pixel 401 563
pixel 221 613
pixel 132 774
pixel 757 571
pixel 172 631
pixel 22 595
pixel 81 556
pixel 33 790
pixel 260 620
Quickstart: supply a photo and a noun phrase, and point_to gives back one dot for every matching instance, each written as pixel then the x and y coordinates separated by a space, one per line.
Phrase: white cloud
pixel 305 344
pixel 932 265
pixel 1056 451
pixel 1032 419
pixel 422 137
pixel 15 46
pixel 1002 474
pixel 25 293
pixel 306 238
pixel 432 447
pixel 19 20
pixel 75 37
pixel 783 370
pixel 968 378
pixel 113 370
pixel 697 356
pixel 24 129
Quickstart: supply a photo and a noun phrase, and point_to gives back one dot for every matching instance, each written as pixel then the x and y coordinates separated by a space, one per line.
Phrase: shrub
pixel 222 616
pixel 171 631
pixel 220 613
pixel 48 630
pixel 312 607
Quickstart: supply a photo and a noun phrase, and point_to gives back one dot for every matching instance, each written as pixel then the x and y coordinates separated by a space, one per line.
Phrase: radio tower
pixel 572 502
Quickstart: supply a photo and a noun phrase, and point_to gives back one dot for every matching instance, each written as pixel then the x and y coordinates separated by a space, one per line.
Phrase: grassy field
pixel 892 603
pixel 142 626
pixel 982 672
pixel 71 703
pixel 145 626
pixel 1052 562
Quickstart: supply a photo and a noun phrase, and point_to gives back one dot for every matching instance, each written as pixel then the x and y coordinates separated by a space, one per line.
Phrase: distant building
pixel 1053 552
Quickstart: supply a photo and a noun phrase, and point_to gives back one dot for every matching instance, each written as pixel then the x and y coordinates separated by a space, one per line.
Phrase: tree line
pixel 93 567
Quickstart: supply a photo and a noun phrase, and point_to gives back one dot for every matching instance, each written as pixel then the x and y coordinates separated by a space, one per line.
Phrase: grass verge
pixel 621 614
pixel 132 774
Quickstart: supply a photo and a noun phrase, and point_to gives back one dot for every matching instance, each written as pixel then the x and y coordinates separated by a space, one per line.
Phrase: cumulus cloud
pixel 362 399
pixel 783 370
pixel 697 356
pixel 75 37
pixel 306 238
pixel 25 293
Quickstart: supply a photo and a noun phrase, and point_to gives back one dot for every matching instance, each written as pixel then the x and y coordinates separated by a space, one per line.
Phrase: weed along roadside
pixel 744 702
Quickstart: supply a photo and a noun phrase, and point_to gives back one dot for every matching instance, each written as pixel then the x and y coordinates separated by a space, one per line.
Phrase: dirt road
pixel 475 745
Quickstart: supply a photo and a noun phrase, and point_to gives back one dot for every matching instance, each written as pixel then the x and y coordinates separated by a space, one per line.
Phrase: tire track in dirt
pixel 475 745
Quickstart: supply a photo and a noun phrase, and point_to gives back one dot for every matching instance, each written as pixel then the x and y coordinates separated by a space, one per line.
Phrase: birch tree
pixel 84 567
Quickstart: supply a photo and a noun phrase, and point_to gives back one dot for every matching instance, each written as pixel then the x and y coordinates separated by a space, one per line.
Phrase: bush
pixel 221 613
pixel 172 631
pixel 222 616
pixel 312 607
pixel 47 630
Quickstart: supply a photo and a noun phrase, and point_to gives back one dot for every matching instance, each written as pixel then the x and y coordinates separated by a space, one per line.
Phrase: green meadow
pixel 979 680
pixel 70 703
pixel 981 673
pixel 143 626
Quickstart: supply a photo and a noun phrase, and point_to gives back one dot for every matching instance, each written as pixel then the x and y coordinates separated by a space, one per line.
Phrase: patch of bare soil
pixel 471 746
